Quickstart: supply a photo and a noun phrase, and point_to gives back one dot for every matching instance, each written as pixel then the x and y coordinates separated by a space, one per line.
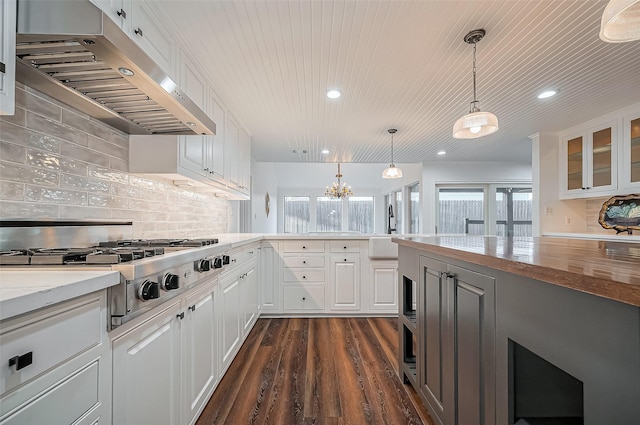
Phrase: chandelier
pixel 337 191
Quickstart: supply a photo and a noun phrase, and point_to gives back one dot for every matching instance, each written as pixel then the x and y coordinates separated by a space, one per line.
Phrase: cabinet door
pixel 630 156
pixel 602 142
pixel 384 282
pixel 251 293
pixel 345 283
pixel 575 162
pixel 119 11
pixel 7 56
pixel 435 362
pixel 192 151
pixel 193 82
pixel 269 272
pixel 229 312
pixel 149 33
pixel 474 345
pixel 232 152
pixel 215 144
pixel 146 371
pixel 200 351
pixel 244 162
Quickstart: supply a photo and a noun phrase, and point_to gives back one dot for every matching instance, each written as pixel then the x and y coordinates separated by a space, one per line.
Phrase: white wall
pixel 467 172
pixel 311 179
pixel 264 181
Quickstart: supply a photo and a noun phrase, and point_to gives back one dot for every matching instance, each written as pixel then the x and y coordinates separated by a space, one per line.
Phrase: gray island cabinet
pixel 503 331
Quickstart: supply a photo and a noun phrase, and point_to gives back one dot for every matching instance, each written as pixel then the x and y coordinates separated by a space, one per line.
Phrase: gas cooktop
pixel 109 252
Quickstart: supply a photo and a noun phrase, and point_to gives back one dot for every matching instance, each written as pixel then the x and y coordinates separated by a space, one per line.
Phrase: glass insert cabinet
pixel 630 157
pixel 589 161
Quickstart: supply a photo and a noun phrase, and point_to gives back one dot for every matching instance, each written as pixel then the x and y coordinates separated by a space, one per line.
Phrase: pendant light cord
pixel 392 149
pixel 474 73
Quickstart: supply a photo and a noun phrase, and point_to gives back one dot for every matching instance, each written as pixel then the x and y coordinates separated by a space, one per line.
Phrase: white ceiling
pixel 404 64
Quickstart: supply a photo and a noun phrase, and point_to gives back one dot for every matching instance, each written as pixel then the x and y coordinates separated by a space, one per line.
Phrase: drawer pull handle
pixel 21 361
pixel 304 298
pixel 345 259
pixel 180 316
pixel 304 247
pixel 304 277
pixel 138 31
pixel 345 247
pixel 304 262
pixel 192 307
pixel 122 13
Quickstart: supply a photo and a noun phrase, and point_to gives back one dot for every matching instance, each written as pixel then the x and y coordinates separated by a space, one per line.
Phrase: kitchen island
pixel 500 330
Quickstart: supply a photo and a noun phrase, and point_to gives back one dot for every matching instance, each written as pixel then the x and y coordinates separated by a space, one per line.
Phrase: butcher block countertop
pixel 604 268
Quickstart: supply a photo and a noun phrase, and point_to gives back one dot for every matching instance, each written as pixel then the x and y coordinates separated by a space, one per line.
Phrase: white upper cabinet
pixel 119 11
pixel 7 56
pixel 153 37
pixel 630 152
pixel 232 153
pixel 244 162
pixel 193 82
pixel 589 161
pixel 215 144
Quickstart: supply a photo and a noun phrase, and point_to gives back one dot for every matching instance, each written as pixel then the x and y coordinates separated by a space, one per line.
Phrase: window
pixel 328 214
pixel 461 210
pixel 414 208
pixel 399 211
pixel 296 214
pixel 361 214
pixel 513 211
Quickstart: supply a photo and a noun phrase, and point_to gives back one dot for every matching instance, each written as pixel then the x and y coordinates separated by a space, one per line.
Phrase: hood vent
pixel 71 51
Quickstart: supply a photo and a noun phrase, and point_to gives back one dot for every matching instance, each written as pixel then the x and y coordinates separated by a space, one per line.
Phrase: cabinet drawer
pixel 293 275
pixel 51 340
pixel 345 246
pixel 304 297
pixel 64 403
pixel 297 262
pixel 303 246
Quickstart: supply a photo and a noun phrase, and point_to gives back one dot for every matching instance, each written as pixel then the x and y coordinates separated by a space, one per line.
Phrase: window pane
pixel 328 214
pixel 461 211
pixel 414 208
pixel 399 212
pixel 296 214
pixel 513 211
pixel 361 214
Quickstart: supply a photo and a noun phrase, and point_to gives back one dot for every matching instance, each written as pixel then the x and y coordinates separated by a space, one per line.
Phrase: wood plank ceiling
pixel 404 64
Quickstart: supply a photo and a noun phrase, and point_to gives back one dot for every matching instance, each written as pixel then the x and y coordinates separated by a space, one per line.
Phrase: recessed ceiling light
pixel 442 152
pixel 125 71
pixel 325 151
pixel 547 93
pixel 334 94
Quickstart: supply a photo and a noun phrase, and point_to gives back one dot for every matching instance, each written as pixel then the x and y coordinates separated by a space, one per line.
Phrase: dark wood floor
pixel 329 371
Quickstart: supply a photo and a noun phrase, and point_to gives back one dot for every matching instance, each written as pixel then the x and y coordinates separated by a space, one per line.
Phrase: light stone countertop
pixel 22 291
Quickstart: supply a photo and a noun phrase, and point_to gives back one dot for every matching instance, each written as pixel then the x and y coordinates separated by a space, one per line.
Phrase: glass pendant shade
pixel 392 172
pixel 620 21
pixel 475 124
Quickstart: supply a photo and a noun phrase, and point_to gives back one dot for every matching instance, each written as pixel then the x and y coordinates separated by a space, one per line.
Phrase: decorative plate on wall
pixel 621 213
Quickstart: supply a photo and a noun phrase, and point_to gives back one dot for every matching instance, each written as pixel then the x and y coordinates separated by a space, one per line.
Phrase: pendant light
pixel 476 123
pixel 620 21
pixel 392 172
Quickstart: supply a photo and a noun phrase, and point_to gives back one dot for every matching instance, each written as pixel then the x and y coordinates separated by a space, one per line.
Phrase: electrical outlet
pixel 567 221
pixel 548 210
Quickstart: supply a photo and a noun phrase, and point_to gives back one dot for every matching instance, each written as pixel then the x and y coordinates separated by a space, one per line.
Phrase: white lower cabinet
pixel 345 283
pixel 57 356
pixel 229 313
pixel 200 351
pixel 251 297
pixel 146 371
pixel 269 272
pixel 303 297
pixel 383 277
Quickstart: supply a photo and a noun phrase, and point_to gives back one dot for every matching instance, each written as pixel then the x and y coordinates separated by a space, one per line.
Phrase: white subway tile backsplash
pixel 25 174
pixel 27 138
pixel 22 210
pixel 54 128
pixel 57 162
pixel 69 181
pixel 12 152
pixel 11 191
pixel 43 159
pixel 54 195
pixel 82 123
pixel 80 153
pixel 107 148
pixel 38 105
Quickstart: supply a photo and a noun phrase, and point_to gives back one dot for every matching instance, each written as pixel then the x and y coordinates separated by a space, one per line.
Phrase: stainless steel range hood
pixel 73 52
